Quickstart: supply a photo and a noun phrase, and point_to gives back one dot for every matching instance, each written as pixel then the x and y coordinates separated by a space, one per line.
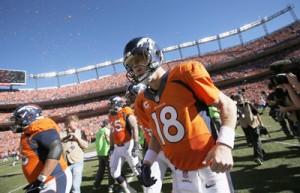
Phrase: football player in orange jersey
pixel 124 139
pixel 161 164
pixel 175 107
pixel 41 151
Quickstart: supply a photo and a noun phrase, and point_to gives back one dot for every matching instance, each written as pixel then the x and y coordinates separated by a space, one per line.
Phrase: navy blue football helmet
pixel 23 116
pixel 115 102
pixel 150 51
pixel 132 91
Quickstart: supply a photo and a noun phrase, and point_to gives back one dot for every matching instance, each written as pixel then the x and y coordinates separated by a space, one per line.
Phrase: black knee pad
pixel 120 179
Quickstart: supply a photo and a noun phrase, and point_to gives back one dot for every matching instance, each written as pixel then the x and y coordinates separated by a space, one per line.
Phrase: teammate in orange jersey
pixel 161 164
pixel 40 151
pixel 175 107
pixel 124 139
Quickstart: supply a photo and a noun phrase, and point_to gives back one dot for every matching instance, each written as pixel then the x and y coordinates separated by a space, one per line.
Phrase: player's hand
pixel 34 187
pixel 220 158
pixel 136 149
pixel 145 176
pixel 292 78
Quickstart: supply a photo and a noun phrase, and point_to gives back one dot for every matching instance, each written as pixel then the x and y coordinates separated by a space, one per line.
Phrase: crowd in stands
pixel 91 125
pixel 255 65
pixel 251 48
pixel 251 88
pixel 85 88
pixel 9 144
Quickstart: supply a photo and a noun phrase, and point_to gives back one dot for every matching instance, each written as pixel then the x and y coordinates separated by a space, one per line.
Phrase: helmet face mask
pixel 137 49
pixel 23 116
pixel 141 58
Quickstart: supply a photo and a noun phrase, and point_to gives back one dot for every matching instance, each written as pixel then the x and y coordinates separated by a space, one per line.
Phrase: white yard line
pixel 284 143
pixel 17 188
pixel 17 172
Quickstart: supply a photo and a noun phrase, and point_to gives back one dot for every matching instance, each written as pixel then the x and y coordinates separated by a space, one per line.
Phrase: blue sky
pixel 42 36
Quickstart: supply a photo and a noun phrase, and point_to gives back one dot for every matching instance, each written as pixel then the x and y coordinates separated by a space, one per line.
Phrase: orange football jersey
pixel 33 151
pixel 178 117
pixel 120 133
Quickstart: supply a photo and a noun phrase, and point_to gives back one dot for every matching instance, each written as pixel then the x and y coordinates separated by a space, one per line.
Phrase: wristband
pixel 136 144
pixel 226 136
pixel 150 156
pixel 42 178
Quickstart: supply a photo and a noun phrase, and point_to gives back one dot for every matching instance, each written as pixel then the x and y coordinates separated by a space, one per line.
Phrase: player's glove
pixel 136 149
pixel 34 187
pixel 145 176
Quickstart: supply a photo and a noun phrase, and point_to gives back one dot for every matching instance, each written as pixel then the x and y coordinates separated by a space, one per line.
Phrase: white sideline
pixel 284 143
pixel 17 188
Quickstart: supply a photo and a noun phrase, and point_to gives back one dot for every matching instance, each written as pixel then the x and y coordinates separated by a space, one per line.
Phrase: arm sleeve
pixel 45 137
pixel 50 140
pixel 55 149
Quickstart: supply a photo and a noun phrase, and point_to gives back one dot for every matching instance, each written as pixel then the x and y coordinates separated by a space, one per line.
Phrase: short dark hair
pixel 105 122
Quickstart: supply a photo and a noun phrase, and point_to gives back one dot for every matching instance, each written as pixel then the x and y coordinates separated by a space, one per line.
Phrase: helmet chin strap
pixel 147 77
pixel 18 128
pixel 113 112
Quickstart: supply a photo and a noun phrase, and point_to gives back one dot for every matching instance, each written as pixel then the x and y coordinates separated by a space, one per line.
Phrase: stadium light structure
pixel 87 68
pixel 178 47
pixel 46 75
pixel 228 33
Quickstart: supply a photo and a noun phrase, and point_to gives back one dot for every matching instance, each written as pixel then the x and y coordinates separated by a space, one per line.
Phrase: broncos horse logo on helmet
pixel 115 103
pixel 132 91
pixel 151 53
pixel 23 116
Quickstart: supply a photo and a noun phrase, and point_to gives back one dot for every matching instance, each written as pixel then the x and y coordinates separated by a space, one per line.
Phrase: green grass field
pixel 280 171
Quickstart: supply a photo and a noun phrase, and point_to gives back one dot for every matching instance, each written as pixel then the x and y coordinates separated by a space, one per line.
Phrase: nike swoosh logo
pixel 208 186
